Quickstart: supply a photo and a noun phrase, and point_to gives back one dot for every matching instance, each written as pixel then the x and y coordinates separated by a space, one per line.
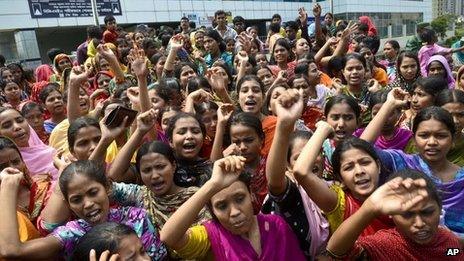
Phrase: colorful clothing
pixel 277 242
pixel 380 75
pixel 258 185
pixel 322 93
pixel 159 208
pixel 225 56
pixel 38 156
pixel 136 218
pixel 452 192
pixel 49 126
pixel 456 153
pixel 269 125
pixel 399 140
pixel 275 69
pixel 390 243
pixel 303 216
pixel 391 69
pixel 426 52
pixel 347 205
pixel 311 115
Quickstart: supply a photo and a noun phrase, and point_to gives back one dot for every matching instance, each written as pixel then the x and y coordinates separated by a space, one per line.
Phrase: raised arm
pixel 112 60
pixel 10 245
pixel 243 60
pixel 76 80
pixel 395 99
pixel 108 136
pixel 139 65
pixel 393 198
pixel 196 97
pixel 224 112
pixel 317 10
pixel 176 42
pixel 121 163
pixel 225 172
pixel 216 80
pixel 288 109
pixel 316 188
pixel 320 57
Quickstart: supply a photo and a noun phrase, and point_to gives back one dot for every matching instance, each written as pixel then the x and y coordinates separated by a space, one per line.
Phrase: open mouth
pixel 432 152
pixel 340 134
pixel 422 235
pixel 158 186
pixel 94 216
pixel 238 224
pixel 250 104
pixel 20 136
pixel 189 146
pixel 363 183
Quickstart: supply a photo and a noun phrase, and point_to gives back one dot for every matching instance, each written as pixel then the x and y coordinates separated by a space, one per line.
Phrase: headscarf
pixel 460 72
pixel 57 59
pixel 43 73
pixel 38 156
pixel 370 25
pixel 36 89
pixel 444 62
pixel 95 80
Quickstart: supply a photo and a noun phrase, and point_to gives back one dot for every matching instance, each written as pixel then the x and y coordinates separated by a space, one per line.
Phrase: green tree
pixel 440 25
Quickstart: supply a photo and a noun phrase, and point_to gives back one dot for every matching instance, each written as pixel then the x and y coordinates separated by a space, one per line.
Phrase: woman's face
pixel 254 49
pixel 104 82
pixel 14 126
pixel 389 51
pixel 420 99
pixel 17 74
pixel 276 92
pixel 433 140
pixel 250 97
pixel 187 138
pixel 420 223
pixel 131 248
pixel 86 141
pixel 199 39
pixel 461 81
pixel 7 76
pixel 139 37
pixel 247 141
pixel 104 65
pixel 186 74
pixel 157 173
pixel 437 69
pixel 157 102
pixel 209 119
pixel 12 92
pixel 211 46
pixel 10 158
pixel 266 77
pixel 343 119
pixel 261 60
pixel 121 48
pixel 54 103
pixel 389 125
pixel 35 119
pixel 301 47
pixel 456 109
pixel 298 145
pixel 88 199
pixel 254 33
pixel 354 72
pixel 367 53
pixel 280 54
pixel 233 208
pixel 314 75
pixel 301 83
pixel 84 102
pixel 64 63
pixel 359 172
pixel 408 68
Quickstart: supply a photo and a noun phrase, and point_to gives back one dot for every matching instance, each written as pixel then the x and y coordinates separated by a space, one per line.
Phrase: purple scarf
pixel 399 141
pixel 277 241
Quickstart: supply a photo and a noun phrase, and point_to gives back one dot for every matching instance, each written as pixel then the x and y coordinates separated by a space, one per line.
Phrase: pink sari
pixel 277 241
pixel 38 156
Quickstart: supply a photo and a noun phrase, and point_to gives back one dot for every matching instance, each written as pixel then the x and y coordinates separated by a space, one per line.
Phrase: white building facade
pixel 27 39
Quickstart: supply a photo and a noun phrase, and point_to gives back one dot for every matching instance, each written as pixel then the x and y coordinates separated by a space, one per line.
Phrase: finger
pixel 114 257
pixel 93 255
pixel 104 255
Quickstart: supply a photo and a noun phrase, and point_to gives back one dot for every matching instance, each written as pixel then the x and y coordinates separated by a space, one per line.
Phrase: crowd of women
pixel 320 149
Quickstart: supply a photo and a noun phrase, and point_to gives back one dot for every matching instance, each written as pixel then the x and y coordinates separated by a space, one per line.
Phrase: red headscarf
pixel 43 73
pixel 370 25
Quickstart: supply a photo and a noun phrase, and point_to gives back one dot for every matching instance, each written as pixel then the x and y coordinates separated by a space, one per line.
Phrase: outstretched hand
pixel 398 97
pixel 138 63
pixel 79 76
pixel 105 256
pixel 146 121
pixel 224 112
pixel 317 10
pixel 105 52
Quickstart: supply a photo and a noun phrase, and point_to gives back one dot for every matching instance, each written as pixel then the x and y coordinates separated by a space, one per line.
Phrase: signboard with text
pixel 72 8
